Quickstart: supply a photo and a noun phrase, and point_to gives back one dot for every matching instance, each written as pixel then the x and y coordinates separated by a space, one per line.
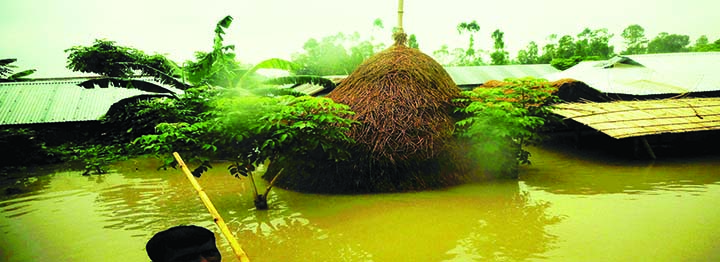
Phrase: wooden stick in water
pixel 239 253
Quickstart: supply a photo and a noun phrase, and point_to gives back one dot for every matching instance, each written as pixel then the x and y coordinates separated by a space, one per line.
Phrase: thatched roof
pixel 623 119
pixel 402 97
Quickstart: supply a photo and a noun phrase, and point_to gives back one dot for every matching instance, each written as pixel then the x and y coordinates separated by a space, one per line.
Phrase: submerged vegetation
pixel 502 119
pixel 397 123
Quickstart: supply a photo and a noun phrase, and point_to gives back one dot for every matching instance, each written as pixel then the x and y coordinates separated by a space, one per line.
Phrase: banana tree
pixel 6 71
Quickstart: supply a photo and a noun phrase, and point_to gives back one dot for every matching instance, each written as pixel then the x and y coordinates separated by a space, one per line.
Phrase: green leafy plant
pixel 252 130
pixel 107 58
pixel 501 120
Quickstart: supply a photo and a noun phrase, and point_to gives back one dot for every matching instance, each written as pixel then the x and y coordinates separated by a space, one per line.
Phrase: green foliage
pixel 594 43
pixel 251 129
pixel 412 42
pixel 565 63
pixel 529 55
pixel 96 157
pixel 668 43
pixel 635 40
pixel 702 44
pixel 107 58
pixel 471 57
pixel 566 47
pixel 502 120
pixel 568 50
pixel 6 71
pixel 6 67
pixel 500 56
pixel 339 54
pixel 126 121
pixel 219 66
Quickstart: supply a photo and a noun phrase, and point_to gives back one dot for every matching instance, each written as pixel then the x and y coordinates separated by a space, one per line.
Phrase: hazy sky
pixel 37 31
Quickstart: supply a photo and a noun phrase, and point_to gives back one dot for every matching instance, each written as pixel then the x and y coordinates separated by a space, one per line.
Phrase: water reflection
pixel 566 170
pixel 548 215
pixel 517 234
pixel 458 224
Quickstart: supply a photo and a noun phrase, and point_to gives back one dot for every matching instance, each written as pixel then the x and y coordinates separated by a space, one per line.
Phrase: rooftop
pixel 61 100
pixel 652 74
pixel 623 119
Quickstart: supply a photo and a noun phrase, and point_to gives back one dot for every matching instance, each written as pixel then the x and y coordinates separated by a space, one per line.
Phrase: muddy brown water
pixel 567 206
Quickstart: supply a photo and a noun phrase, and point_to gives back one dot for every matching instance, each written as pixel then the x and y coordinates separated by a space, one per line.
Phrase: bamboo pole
pixel 239 253
pixel 400 16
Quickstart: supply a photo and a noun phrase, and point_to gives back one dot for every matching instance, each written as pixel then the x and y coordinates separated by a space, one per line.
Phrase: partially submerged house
pixel 643 96
pixel 68 103
pixel 651 76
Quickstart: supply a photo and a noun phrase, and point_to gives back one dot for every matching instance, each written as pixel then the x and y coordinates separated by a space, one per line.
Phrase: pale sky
pixel 37 31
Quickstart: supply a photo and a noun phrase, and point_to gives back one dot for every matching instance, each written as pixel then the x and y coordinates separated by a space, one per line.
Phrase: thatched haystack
pixel 402 97
pixel 403 101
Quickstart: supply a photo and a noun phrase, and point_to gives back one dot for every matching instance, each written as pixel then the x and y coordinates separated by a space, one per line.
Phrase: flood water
pixel 567 206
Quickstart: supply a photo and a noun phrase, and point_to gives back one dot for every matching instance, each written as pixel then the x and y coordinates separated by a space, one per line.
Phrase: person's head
pixel 183 243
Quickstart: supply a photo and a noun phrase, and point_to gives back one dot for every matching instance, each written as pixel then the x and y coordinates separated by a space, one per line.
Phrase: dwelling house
pixel 644 96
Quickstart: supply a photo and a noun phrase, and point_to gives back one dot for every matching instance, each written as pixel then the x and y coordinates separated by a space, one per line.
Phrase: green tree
pixel 600 44
pixel 7 73
pixel 635 40
pixel 412 42
pixel 566 47
pixel 251 130
pixel 442 55
pixel 106 58
pixel 582 44
pixel 500 56
pixel 549 50
pixel 378 23
pixel 594 43
pixel 529 55
pixel 565 63
pixel 505 119
pixel 669 43
pixel 702 44
pixel 329 55
pixel 470 57
pixel 218 67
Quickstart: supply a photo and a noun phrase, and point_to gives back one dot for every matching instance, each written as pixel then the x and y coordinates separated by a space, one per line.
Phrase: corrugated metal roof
pixel 623 119
pixel 653 74
pixel 476 75
pixel 52 101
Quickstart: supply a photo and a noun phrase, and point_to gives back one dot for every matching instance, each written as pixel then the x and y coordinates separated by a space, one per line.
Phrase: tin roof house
pixel 62 100
pixel 637 96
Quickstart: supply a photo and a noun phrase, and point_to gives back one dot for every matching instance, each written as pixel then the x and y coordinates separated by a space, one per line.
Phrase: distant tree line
pixel 341 54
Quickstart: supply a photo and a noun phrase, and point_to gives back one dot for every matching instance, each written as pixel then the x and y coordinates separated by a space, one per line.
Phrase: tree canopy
pixel 338 54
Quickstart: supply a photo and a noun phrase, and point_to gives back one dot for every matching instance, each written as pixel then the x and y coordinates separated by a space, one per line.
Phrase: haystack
pixel 402 97
pixel 403 101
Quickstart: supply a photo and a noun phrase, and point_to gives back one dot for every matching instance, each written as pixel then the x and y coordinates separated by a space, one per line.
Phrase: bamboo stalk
pixel 239 253
pixel 400 15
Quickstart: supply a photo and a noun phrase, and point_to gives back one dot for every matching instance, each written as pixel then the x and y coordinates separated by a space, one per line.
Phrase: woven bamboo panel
pixel 623 119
